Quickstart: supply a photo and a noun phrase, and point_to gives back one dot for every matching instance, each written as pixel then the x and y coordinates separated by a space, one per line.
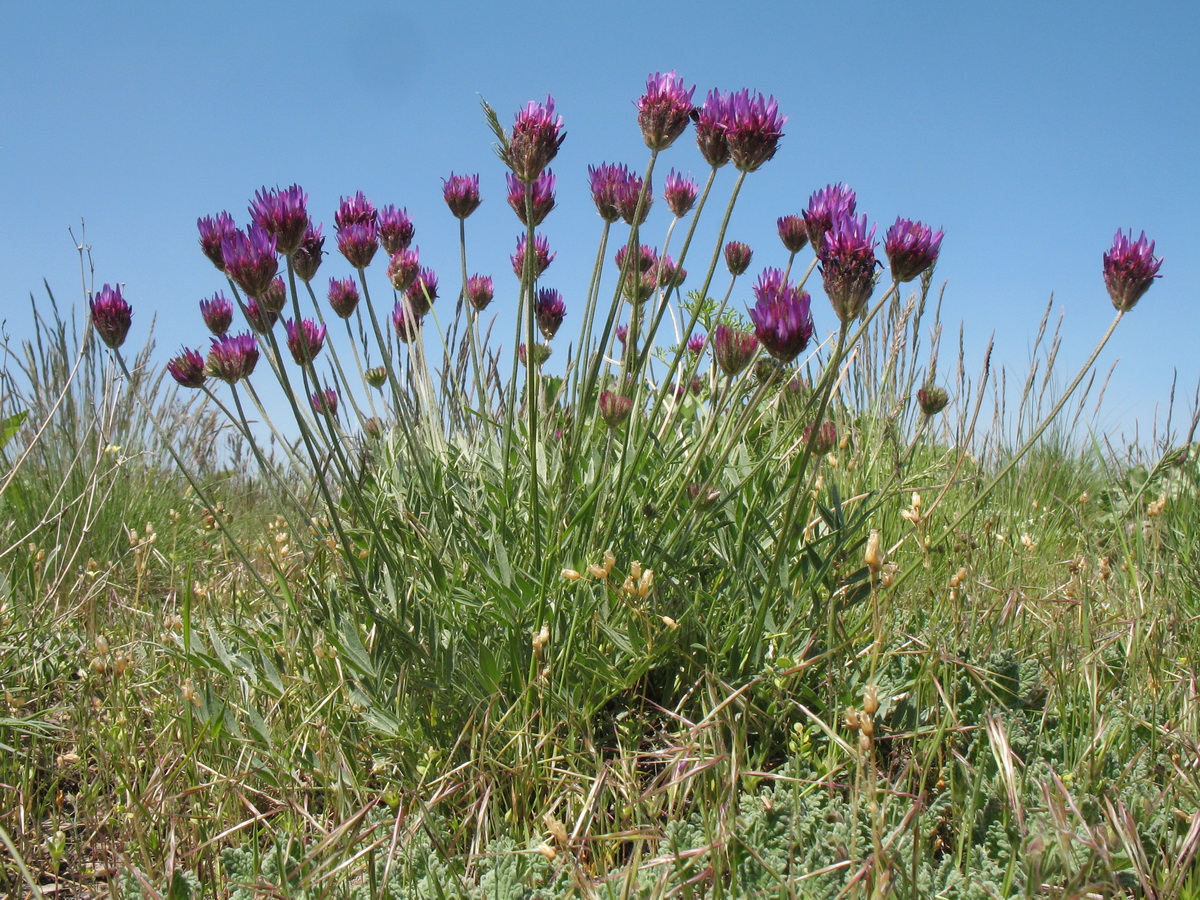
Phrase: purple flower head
pixel 645 260
pixel 911 247
pixel 217 313
pixel 306 258
pixel 259 317
pixel 542 191
pixel 536 136
pixel 627 196
pixel 606 182
pixel 232 357
pixel 680 193
pixel 304 340
pixel 696 344
pixel 406 321
pixel 325 403
pixel 737 257
pixel 542 257
pixel 1130 267
pixel 712 121
pixel 479 291
pixel 343 296
pixel 461 193
pixel 423 291
pixel 664 109
pixel 782 316
pixel 825 205
pixel 187 368
pixel 549 310
pixel 274 298
pixel 823 438
pixel 932 399
pixel 622 334
pixel 111 315
pixel 669 273
pixel 283 213
pixel 848 263
pixel 355 210
pixel 250 259
pixel 212 233
pixel 396 230
pixel 614 408
pixel 404 267
pixel 792 233
pixel 754 128
pixel 358 242
pixel 733 349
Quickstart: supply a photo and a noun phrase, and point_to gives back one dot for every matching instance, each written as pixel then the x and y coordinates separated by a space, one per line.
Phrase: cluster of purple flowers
pixel 617 193
pixel 741 127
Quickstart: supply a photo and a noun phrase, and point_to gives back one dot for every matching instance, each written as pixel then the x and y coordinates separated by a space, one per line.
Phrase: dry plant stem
pixel 1020 454
pixel 50 416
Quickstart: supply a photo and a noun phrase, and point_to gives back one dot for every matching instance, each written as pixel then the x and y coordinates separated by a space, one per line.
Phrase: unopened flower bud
pixel 873 556
pixel 871 700
pixel 933 399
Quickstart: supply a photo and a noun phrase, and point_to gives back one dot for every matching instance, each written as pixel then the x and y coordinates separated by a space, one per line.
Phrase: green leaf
pixel 10 425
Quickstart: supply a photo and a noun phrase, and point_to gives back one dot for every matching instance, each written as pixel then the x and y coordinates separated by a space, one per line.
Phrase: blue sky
pixel 1030 132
